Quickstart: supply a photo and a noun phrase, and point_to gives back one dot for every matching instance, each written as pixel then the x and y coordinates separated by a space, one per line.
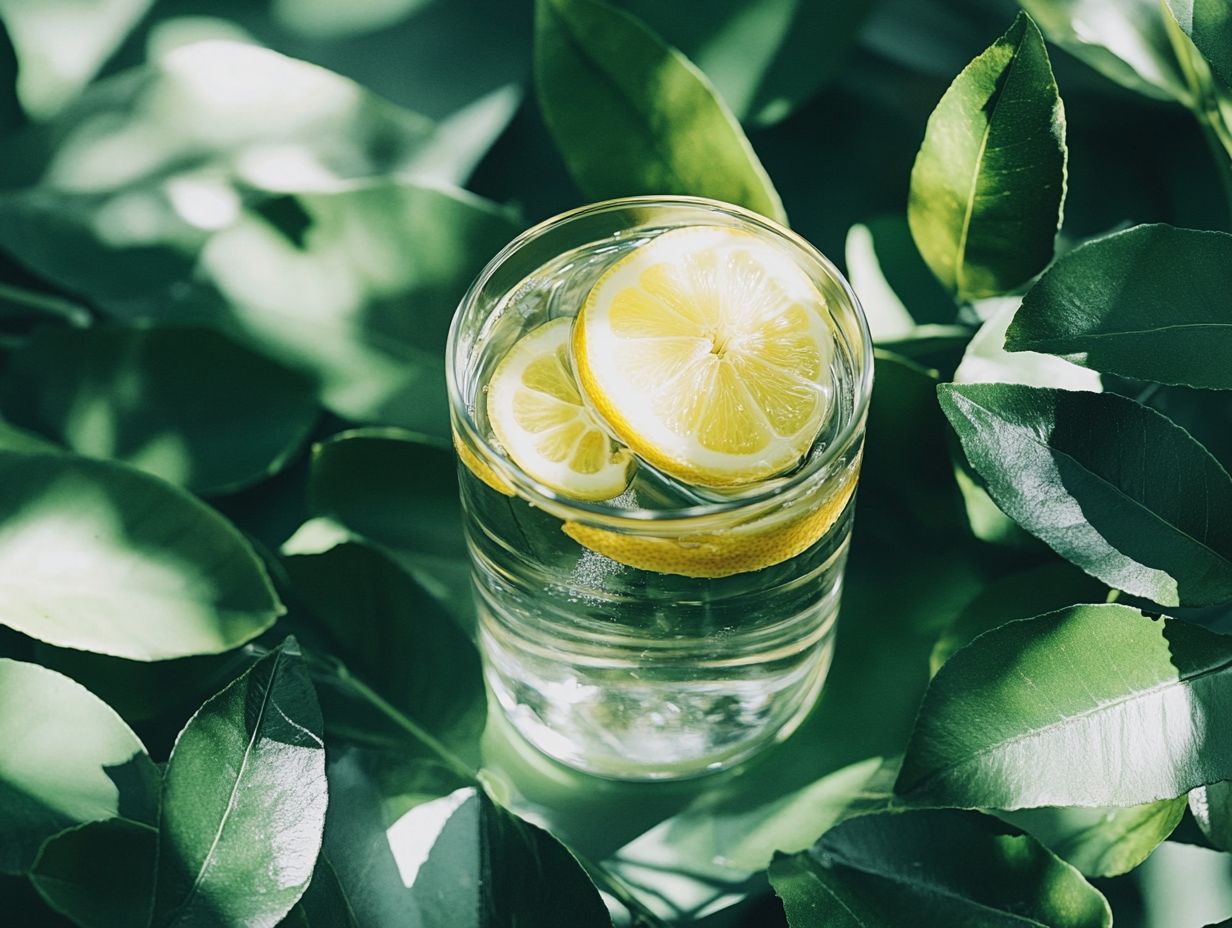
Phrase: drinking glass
pixel 672 630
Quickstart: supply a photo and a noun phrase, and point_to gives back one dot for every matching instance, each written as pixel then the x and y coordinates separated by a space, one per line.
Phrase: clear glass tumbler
pixel 672 630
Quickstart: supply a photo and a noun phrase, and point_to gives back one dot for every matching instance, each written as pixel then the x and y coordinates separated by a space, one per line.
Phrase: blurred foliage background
pixel 293 233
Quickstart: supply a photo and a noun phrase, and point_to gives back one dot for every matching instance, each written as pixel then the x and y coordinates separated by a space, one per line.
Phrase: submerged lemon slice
pixel 707 352
pixel 537 414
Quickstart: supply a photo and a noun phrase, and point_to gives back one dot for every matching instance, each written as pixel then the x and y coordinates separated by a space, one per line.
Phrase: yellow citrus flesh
pixel 482 471
pixel 720 554
pixel 537 414
pixel 707 351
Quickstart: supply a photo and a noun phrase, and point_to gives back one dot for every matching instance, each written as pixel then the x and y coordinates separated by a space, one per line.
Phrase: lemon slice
pixel 537 414
pixel 707 351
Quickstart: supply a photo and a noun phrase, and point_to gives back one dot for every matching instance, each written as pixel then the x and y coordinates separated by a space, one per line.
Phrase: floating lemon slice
pixel 707 352
pixel 537 414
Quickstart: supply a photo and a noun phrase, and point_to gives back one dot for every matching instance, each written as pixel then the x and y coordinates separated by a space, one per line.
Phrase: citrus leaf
pixel 100 557
pixel 985 360
pixel 1108 484
pixel 487 869
pixel 633 116
pixel 989 180
pixel 244 799
pixel 390 633
pixel 1150 303
pixel 1128 716
pixel 100 874
pixel 1125 40
pixel 1211 806
pixel 15 439
pixel 324 904
pixel 1102 842
pixel 67 759
pixel 136 395
pixel 1209 24
pixel 957 869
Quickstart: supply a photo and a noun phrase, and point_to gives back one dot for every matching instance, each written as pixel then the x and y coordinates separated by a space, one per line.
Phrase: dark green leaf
pixel 1125 40
pixel 390 633
pixel 1102 842
pixel 1149 303
pixel 324 905
pixel 15 439
pixel 188 405
pixel 766 57
pixel 101 874
pixel 887 273
pixel 11 114
pixel 1209 24
pixel 1021 595
pixel 66 759
pixel 392 486
pixel 986 360
pixel 17 304
pixel 488 868
pixel 1110 485
pixel 99 557
pixel 633 116
pixel 1089 706
pixel 956 869
pixel 989 181
pixel 1211 806
pixel 19 899
pixel 244 799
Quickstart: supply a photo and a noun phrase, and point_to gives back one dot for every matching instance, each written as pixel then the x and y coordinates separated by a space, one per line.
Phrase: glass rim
pixel 603 513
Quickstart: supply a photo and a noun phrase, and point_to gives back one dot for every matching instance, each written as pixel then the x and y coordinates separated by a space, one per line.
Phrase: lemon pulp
pixel 707 352
pixel 539 417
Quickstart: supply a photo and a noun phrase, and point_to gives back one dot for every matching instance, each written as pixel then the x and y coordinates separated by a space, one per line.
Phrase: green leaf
pixel 61 44
pixel 100 874
pixel 1149 303
pixel 633 116
pixel 244 799
pixel 987 361
pixel 1102 842
pixel 395 487
pixel 15 439
pixel 1125 40
pixel 99 557
pixel 11 113
pixel 488 868
pixel 67 759
pixel 1108 484
pixel 1128 716
pixel 1211 806
pixel 188 405
pixel 1209 24
pixel 390 633
pixel 18 304
pixel 957 869
pixel 988 183
pixel 324 904
pixel 765 58
pixel 1022 595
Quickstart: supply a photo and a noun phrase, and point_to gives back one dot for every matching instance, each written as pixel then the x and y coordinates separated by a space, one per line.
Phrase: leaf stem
pixel 643 917
pixel 448 758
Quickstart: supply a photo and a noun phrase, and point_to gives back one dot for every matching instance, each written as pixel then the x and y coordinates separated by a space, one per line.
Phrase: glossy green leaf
pixel 101 874
pixel 764 57
pixel 987 361
pixel 1149 303
pixel 390 634
pixel 1211 806
pixel 633 116
pixel 1102 842
pixel 1108 484
pixel 61 44
pixel 1125 40
pixel 887 273
pixel 66 759
pixel 1209 24
pixel 487 868
pixel 1130 714
pixel 988 183
pixel 957 869
pixel 244 799
pixel 1021 595
pixel 188 405
pixel 155 573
